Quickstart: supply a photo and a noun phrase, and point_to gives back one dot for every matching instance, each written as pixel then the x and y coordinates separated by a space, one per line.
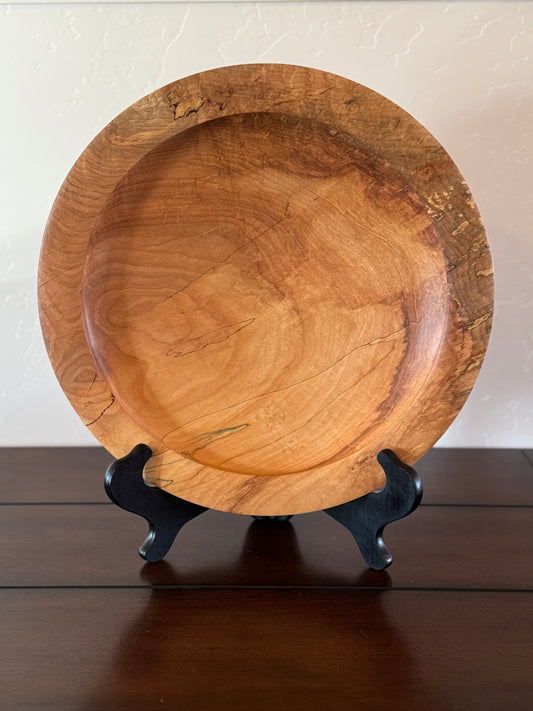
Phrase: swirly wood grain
pixel 281 274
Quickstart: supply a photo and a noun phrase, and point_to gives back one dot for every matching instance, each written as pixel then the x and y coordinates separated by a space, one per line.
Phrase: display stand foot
pixel 366 517
pixel 166 514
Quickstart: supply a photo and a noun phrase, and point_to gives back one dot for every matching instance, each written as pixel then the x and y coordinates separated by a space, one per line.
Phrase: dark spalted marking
pixel 166 514
pixel 106 408
pixel 207 438
pixel 153 467
pixel 378 340
pixel 155 481
pixel 219 335
pixel 366 517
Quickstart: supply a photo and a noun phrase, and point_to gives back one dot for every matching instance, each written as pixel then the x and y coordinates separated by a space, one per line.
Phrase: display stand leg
pixel 166 514
pixel 365 518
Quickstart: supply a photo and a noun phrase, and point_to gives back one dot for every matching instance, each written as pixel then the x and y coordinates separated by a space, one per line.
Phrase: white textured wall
pixel 464 69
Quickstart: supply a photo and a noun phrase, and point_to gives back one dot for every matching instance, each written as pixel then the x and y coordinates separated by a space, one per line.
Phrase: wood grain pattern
pixel 501 477
pixel 344 637
pixel 471 548
pixel 498 477
pixel 239 649
pixel 40 475
pixel 281 273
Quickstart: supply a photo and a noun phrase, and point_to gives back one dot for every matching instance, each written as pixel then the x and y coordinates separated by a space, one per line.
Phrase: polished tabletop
pixel 253 615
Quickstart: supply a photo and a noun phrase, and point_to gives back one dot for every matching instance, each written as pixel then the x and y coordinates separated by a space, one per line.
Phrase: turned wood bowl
pixel 267 274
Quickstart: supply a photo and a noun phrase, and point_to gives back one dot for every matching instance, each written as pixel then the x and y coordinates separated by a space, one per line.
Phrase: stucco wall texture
pixel 464 69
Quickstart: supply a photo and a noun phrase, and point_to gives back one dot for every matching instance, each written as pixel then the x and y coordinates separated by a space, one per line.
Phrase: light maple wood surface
pixel 268 274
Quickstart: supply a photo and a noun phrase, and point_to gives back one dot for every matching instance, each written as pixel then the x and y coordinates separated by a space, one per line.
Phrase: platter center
pixel 263 295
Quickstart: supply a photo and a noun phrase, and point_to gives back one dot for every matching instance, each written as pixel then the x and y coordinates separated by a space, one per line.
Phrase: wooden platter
pixel 267 274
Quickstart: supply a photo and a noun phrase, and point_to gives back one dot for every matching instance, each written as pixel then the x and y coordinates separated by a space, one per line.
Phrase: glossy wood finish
pixel 39 475
pixel 477 476
pixel 86 625
pixel 256 286
pixel 435 547
pixel 282 273
pixel 450 476
pixel 261 649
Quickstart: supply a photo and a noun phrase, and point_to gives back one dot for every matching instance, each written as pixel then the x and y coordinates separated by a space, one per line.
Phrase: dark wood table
pixel 252 615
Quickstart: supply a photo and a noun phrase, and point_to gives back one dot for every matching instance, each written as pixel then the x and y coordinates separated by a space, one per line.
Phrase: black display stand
pixel 365 517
